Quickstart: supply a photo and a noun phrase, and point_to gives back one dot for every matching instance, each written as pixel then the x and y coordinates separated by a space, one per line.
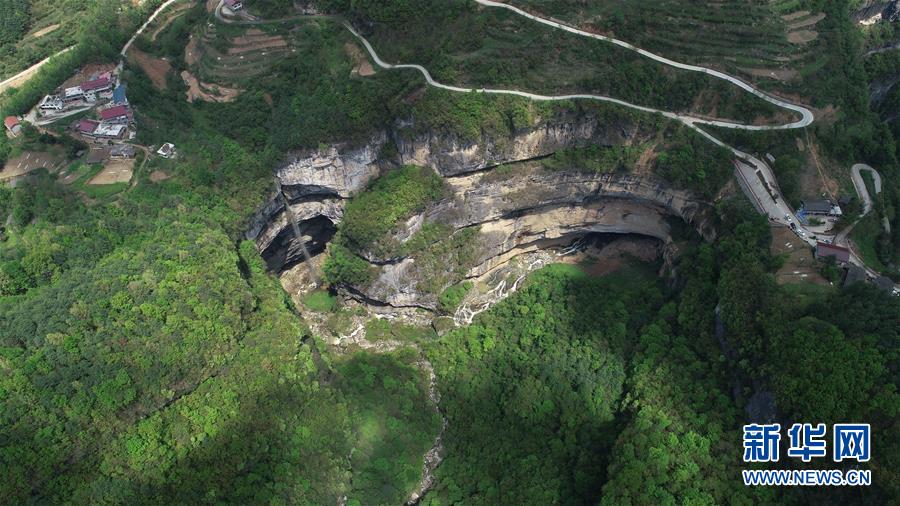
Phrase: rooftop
pixel 95 84
pixel 113 112
pixel 817 206
pixel 119 94
pixel 11 121
pixel 840 253
pixel 88 126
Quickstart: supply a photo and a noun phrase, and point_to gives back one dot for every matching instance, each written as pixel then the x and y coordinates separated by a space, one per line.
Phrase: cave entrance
pixel 284 253
pixel 598 253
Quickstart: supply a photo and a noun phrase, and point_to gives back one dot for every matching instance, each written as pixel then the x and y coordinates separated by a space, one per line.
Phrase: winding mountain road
pixel 748 166
pixel 860 185
pixel 755 176
pixel 145 25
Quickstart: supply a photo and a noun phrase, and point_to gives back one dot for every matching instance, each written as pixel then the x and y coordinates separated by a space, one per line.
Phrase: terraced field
pixel 489 47
pixel 760 39
pixel 233 55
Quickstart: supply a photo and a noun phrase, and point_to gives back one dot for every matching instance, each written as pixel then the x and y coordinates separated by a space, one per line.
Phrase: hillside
pixel 441 252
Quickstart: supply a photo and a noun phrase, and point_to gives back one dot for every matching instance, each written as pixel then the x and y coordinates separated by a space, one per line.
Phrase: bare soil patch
pixel 246 45
pixel 86 72
pixel 114 171
pixel 802 36
pixel 795 15
pixel 29 161
pixel 156 68
pixel 361 65
pixel 207 92
pixel 159 175
pixel 44 31
pixel 644 163
pixel 810 21
pixel 799 265
pixel 211 5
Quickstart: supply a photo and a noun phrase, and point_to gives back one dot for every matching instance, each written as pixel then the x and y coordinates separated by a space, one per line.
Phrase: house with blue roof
pixel 119 97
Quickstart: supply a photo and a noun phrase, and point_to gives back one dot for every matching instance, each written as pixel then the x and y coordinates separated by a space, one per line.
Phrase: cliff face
pixel 451 156
pixel 532 210
pixel 520 208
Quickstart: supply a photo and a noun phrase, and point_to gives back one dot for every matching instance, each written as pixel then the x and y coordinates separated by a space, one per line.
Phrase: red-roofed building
pixel 116 114
pixel 88 126
pixel 825 250
pixel 12 124
pixel 99 84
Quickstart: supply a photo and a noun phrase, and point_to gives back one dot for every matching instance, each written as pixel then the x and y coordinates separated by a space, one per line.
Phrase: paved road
pixel 776 208
pixel 144 26
pixel 860 185
pixel 807 116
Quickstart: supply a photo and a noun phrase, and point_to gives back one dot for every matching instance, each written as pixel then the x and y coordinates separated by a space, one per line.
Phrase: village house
pixel 234 5
pixel 110 130
pixel 118 114
pixel 167 150
pixel 124 151
pixel 12 124
pixel 73 93
pixel 87 127
pixel 821 208
pixel 825 250
pixel 94 87
pixel 119 97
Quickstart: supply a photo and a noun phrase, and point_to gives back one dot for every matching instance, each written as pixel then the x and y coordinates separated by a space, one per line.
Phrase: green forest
pixel 147 355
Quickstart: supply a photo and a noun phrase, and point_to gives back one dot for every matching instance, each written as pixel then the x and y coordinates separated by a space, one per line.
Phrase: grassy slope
pixel 493 47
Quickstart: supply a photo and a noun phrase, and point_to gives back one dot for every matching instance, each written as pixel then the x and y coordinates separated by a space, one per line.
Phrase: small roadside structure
pixel 234 5
pixel 12 124
pixel 167 150
pixel 825 250
pixel 821 208
pixel 51 103
pixel 122 151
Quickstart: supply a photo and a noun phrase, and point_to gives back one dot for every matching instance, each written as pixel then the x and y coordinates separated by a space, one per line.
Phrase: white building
pixel 51 103
pixel 167 150
pixel 73 93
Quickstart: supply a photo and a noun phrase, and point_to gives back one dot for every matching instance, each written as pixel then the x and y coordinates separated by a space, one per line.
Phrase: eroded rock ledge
pixel 520 208
pixel 535 209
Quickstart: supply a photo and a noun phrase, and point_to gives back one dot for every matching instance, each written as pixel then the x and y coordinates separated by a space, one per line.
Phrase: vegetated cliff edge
pixel 501 201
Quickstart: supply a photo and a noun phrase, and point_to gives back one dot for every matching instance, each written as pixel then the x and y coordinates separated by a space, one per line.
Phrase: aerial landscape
pixel 450 252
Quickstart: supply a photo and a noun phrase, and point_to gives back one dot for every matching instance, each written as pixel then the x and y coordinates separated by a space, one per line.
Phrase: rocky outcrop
pixel 336 171
pixel 451 156
pixel 535 209
pixel 516 210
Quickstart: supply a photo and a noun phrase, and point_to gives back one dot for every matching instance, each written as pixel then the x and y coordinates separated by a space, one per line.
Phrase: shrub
pixel 451 297
pixel 343 267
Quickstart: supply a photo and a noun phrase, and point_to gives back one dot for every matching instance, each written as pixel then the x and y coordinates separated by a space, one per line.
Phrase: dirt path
pixel 44 31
